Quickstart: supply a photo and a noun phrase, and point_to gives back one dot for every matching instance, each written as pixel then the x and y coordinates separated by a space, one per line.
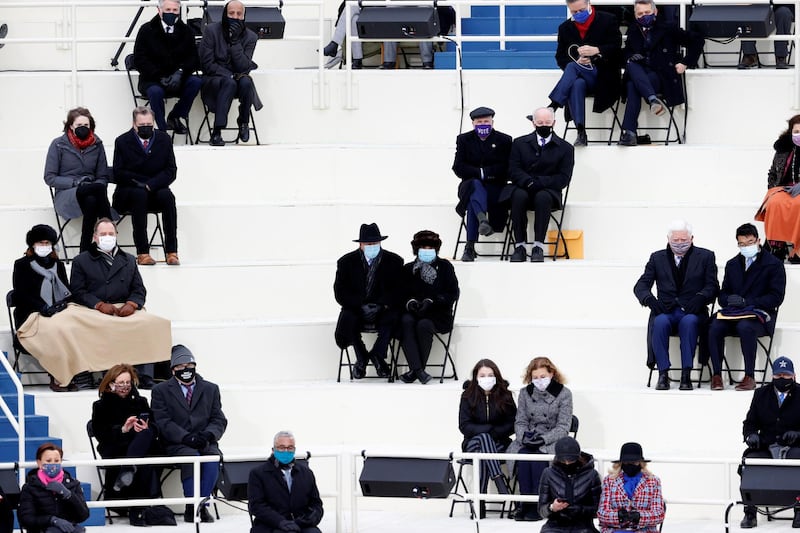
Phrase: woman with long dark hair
pixel 486 419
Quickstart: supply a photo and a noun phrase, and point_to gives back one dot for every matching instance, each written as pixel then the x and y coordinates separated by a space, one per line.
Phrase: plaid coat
pixel 646 499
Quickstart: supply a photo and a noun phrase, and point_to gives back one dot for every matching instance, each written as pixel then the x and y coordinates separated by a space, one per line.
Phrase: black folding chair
pixel 701 350
pixel 62 224
pixel 19 350
pixel 344 353
pixel 487 241
pixel 569 124
pixel 673 131
pixel 157 232
pixel 102 471
pixel 206 125
pixel 557 217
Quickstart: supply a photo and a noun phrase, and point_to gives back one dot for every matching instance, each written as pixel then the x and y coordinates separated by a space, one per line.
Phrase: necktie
pixel 781 397
pixel 145 144
pixel 287 474
pixel 189 394
pixel 543 143
pixel 748 262
pixel 678 260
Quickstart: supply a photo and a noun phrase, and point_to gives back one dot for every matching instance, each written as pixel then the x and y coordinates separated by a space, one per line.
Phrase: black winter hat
pixel 370 233
pixel 426 238
pixel 631 452
pixel 481 112
pixel 567 449
pixel 41 232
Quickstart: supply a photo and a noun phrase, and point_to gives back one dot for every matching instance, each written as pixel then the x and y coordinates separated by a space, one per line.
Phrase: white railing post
pixel 18 423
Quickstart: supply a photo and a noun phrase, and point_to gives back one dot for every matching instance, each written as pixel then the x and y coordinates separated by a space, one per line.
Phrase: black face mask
pixel 170 18
pixel 185 376
pixel 145 132
pixel 570 468
pixel 544 131
pixel 783 384
pixel 82 132
pixel 631 469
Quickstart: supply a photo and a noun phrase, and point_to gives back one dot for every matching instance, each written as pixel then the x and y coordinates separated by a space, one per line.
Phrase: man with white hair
pixel 686 282
pixel 539 168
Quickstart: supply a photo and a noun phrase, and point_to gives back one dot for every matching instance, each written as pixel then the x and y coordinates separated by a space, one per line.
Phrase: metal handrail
pixel 17 423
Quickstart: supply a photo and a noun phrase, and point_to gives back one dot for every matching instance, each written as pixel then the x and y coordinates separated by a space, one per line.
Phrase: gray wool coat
pixel 547 412
pixel 66 167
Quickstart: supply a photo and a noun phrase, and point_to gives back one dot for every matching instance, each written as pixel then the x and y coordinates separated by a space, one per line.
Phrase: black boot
pixel 469 254
pixel 188 513
pixel 686 379
pixel 749 521
pixel 663 380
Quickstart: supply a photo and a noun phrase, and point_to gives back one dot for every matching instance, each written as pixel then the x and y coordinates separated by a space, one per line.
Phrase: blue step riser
pixel 9 451
pixel 11 401
pixel 35 426
pixel 520 11
pixel 547 48
pixel 515 26
pixel 496 60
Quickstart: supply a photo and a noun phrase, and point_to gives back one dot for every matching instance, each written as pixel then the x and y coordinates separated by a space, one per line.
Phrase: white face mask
pixel 541 383
pixel 42 251
pixel 749 251
pixel 107 242
pixel 487 383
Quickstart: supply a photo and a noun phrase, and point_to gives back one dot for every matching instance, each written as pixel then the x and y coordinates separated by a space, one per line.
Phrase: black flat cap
pixel 480 112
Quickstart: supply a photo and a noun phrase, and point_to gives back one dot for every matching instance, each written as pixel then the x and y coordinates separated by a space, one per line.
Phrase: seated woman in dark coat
pixel 486 419
pixel 569 491
pixel 121 424
pixel 51 501
pixel 431 288
pixel 40 283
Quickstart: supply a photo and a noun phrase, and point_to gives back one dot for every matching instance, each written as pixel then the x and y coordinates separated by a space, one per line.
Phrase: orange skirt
pixel 781 216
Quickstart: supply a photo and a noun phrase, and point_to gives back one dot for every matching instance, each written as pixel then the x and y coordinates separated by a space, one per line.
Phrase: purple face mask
pixel 796 139
pixel 483 130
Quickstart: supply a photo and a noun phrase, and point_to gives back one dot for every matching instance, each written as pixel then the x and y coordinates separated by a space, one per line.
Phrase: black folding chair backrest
pixel 573 426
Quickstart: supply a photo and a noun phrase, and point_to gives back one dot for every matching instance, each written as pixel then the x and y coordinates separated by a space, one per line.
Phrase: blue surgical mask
pixel 426 255
pixel 483 130
pixel 51 470
pixel 582 16
pixel 749 251
pixel 645 21
pixel 371 251
pixel 283 458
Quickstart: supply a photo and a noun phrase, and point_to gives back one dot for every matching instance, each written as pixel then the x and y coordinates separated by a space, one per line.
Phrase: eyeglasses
pixel 122 383
pixel 748 243
pixel 285 448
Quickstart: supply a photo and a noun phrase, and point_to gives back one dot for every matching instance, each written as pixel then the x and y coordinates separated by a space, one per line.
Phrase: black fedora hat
pixel 370 233
pixel 631 452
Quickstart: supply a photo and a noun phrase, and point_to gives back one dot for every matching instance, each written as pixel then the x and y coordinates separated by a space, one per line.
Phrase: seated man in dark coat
pixel 686 282
pixel 144 168
pixel 588 51
pixel 166 57
pixel 540 167
pixel 430 289
pixel 752 289
pixel 654 64
pixel 482 164
pixel 772 426
pixel 226 53
pixel 368 286
pixel 189 417
pixel 282 493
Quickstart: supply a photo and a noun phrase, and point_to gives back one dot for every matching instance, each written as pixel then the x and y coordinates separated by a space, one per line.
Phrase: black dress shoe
pixel 188 514
pixel 519 255
pixel 581 139
pixel 388 65
pixel 427 65
pixel 216 139
pixel 136 518
pixel 749 521
pixel 408 377
pixel 380 366
pixel 485 229
pixel 244 132
pixel 686 379
pixel 537 255
pixel 423 376
pixel 205 516
pixel 175 124
pixel 628 138
pixel 663 381
pixel 359 371
pixel 469 254
pixel 330 49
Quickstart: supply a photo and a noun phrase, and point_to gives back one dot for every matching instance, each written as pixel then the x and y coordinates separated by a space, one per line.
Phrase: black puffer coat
pixel 581 489
pixel 38 506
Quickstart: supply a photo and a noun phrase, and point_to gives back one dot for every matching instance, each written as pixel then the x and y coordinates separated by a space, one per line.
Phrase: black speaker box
pixel 398 23
pixel 406 478
pixel 267 22
pixel 770 485
pixel 233 478
pixel 729 21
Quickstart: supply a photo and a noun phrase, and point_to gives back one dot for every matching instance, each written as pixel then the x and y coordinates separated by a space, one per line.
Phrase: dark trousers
pixel 529 473
pixel 93 200
pixel 258 527
pixel 748 330
pixel 688 328
pixel 138 202
pixel 144 481
pixel 642 83
pixel 573 86
pixel 156 93
pixel 417 339
pixel 490 468
pixel 223 91
pixel 208 475
pixel 483 196
pixel 541 202
pixel 783 26
pixel 351 324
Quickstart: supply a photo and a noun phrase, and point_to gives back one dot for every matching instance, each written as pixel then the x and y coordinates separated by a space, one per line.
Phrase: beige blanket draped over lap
pixel 80 339
pixel 781 216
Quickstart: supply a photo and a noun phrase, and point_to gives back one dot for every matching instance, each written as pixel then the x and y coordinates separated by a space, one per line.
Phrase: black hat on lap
pixel 41 232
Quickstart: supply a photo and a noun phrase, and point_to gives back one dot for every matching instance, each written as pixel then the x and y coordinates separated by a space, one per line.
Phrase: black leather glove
pixel 790 437
pixel 59 489
pixel 413 305
pixel 533 184
pixel 236 29
pixel 62 524
pixel 634 517
pixel 655 305
pixel 696 304
pixel 208 436
pixel 369 312
pixel 85 180
pixel 194 440
pixel 174 81
pixel 531 439
pixel 53 309
pixel 289 525
pixel 624 517
pixel 426 305
pixel 753 441
pixel 635 57
pixel 309 519
pixel 734 300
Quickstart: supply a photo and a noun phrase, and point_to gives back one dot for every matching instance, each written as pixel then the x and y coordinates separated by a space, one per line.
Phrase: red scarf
pixel 584 27
pixel 80 144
